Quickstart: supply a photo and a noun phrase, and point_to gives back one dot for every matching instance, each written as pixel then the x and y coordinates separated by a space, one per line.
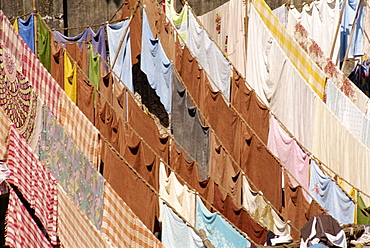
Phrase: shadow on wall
pixel 116 2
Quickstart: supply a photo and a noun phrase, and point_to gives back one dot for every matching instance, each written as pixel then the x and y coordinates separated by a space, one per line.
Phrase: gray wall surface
pixel 76 13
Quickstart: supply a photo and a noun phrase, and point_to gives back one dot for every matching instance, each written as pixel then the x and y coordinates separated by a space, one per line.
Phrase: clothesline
pixel 281 124
pixel 12 19
pixel 155 153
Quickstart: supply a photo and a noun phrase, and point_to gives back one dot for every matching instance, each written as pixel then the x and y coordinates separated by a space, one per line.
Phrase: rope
pixel 12 19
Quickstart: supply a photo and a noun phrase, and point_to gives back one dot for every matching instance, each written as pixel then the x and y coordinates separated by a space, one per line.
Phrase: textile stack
pixel 237 128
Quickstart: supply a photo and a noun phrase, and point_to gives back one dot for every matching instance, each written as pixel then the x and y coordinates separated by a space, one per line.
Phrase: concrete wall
pixel 75 13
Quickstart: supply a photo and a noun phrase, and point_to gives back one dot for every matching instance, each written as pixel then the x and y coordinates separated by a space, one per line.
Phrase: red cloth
pixel 34 181
pixel 21 229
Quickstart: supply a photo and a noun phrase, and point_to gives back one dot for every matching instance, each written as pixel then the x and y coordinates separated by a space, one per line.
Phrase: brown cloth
pixel 145 127
pixel 262 168
pixel 223 170
pixel 79 55
pixel 138 196
pixel 246 102
pixel 135 36
pixel 106 84
pixel 85 96
pixel 57 62
pixel 239 217
pixel 296 208
pixel 189 172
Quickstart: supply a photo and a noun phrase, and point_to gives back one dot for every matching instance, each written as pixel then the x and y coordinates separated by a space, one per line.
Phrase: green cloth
pixel 44 46
pixel 362 219
pixel 94 70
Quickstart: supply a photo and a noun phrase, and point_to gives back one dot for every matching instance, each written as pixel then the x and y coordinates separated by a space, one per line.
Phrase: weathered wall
pixel 75 13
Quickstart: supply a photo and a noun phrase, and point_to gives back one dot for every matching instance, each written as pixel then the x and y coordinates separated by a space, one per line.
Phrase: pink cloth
pixel 290 154
pixel 34 181
pixel 21 229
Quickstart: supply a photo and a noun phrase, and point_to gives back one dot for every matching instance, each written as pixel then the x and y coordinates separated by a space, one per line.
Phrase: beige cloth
pixel 179 196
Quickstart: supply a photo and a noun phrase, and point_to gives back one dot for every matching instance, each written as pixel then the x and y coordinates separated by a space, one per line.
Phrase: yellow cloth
pixel 300 59
pixel 70 78
pixel 15 25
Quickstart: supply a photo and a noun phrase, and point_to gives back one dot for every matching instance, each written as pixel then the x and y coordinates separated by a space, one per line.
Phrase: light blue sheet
pixel 156 65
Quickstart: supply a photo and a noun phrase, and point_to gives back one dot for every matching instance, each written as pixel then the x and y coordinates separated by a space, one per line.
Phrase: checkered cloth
pixel 75 230
pixel 10 39
pixel 300 59
pixel 34 181
pixel 79 128
pixel 45 85
pixel 4 132
pixel 118 216
pixel 21 229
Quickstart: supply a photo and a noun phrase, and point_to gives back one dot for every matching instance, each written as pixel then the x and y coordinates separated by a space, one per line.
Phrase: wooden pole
pixel 337 29
pixel 351 35
pixel 34 10
pixel 246 19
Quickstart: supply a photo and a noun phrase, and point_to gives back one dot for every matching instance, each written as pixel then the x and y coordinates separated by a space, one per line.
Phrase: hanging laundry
pixel 4 132
pixel 275 82
pixel 218 231
pixel 306 67
pixel 350 11
pixel 155 64
pixel 118 216
pixel 21 229
pixel 79 128
pixel 348 114
pixel 27 31
pixel 71 168
pixel 39 188
pixel 179 196
pixel 290 154
pixel 127 185
pixel 70 78
pixel 85 96
pixel 17 96
pixel 209 56
pixel 282 14
pixel 361 216
pixel 119 42
pixel 330 196
pixel 75 230
pixel 178 20
pixel 16 26
pixel 187 126
pixel 262 212
pixel 239 217
pixel 176 232
pixel 57 62
pixel 94 68
pixel 43 44
pixel 88 35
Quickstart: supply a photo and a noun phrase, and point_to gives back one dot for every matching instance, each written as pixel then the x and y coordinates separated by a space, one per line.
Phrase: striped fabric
pixel 79 128
pixel 118 216
pixel 42 81
pixel 21 229
pixel 10 39
pixel 306 67
pixel 4 133
pixel 75 230
pixel 34 181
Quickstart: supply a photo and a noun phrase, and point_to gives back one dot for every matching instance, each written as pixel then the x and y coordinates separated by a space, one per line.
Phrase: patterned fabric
pixel 118 216
pixel 34 181
pixel 21 230
pixel 45 85
pixel 71 168
pixel 79 128
pixel 306 67
pixel 4 132
pixel 17 96
pixel 75 230
pixel 11 39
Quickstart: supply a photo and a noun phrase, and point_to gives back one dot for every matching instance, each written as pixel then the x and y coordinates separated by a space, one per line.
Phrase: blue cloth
pixel 27 31
pixel 97 39
pixel 123 65
pixel 156 65
pixel 218 231
pixel 330 196
pixel 346 27
pixel 176 233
